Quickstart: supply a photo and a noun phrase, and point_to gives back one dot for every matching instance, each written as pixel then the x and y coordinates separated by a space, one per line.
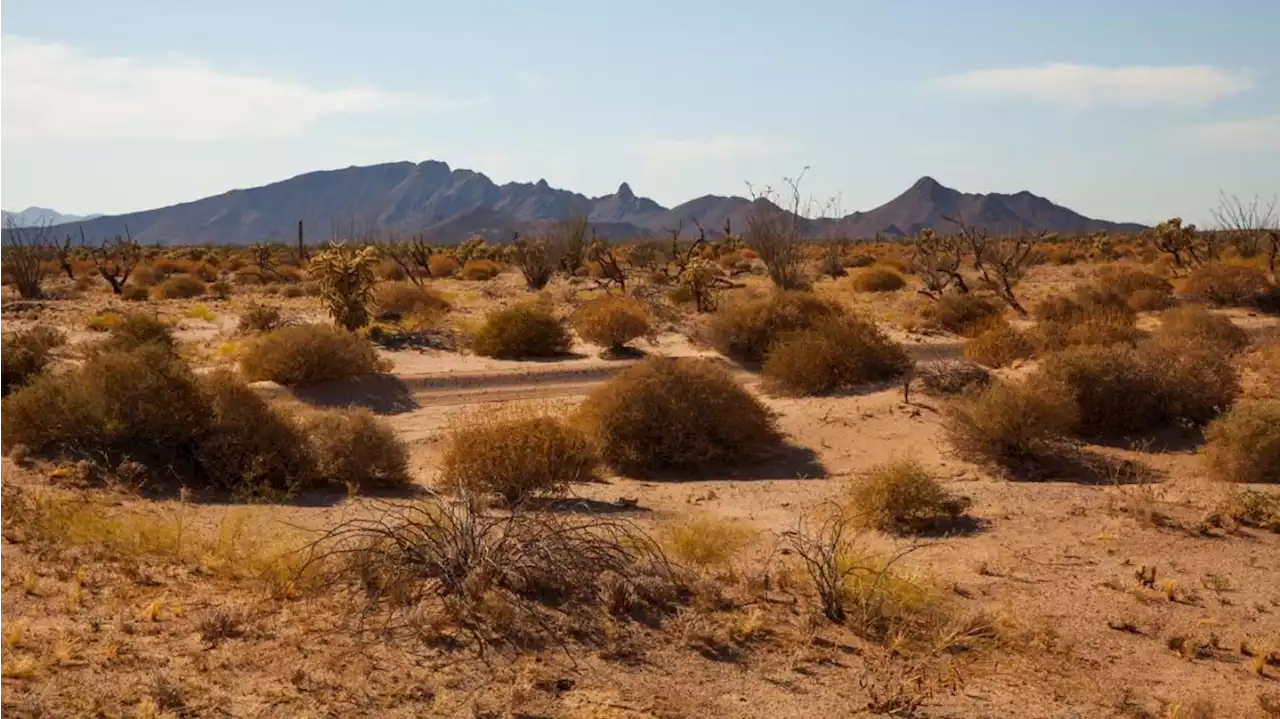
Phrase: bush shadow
pixel 789 462
pixel 379 393
pixel 583 505
pixel 1081 466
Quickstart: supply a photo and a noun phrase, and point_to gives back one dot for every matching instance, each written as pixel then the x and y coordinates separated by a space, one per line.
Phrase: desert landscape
pixel 764 471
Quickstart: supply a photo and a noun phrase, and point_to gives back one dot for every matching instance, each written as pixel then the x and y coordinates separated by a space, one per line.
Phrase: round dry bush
pixel 1226 285
pixel 478 270
pixel 514 454
pixel 902 497
pixel 837 353
pixel 305 354
pixel 947 378
pixel 1196 324
pixel 744 329
pixel 1121 390
pixel 250 449
pixel 135 293
pixel 398 300
pixel 443 265
pixel 520 332
pixel 259 318
pixel 1091 326
pixel 1149 301
pixel 958 313
pixel 667 413
pixel 27 353
pixel 138 329
pixel 1244 444
pixel 998 344
pixel 1006 422
pixel 179 287
pixel 351 447
pixel 1126 280
pixel 611 322
pixel 877 278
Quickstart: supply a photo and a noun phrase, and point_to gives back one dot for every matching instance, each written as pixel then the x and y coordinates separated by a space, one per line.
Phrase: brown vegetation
pixel 998 344
pixel 837 352
pixel 611 322
pixel 901 496
pixel 305 354
pixel 524 331
pixel 1244 444
pixel 877 279
pixel 744 329
pixel 26 353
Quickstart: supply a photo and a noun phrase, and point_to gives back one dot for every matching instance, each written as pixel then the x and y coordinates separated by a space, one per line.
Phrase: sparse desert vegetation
pixel 801 498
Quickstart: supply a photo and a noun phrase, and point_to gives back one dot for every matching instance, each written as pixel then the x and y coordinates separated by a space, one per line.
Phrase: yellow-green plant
pixel 346 279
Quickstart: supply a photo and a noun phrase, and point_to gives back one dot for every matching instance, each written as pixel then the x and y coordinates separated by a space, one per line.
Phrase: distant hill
pixel 37 216
pixel 449 205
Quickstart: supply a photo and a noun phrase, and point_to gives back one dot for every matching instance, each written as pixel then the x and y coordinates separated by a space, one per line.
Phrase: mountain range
pixel 449 205
pixel 37 216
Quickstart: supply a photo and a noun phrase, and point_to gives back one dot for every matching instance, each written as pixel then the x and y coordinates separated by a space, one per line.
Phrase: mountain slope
pixel 449 205
pixel 37 216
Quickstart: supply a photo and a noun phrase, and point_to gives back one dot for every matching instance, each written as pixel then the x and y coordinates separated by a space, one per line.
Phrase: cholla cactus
pixel 700 277
pixel 346 280
pixel 472 248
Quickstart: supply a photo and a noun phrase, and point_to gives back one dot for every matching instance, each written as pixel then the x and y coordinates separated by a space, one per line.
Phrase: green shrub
pixel 514 454
pixel 520 332
pixel 1006 422
pixel 839 352
pixel 1243 445
pixel 611 322
pixel 179 287
pixel 958 313
pixel 1198 325
pixel 305 354
pixel 27 353
pixel 877 278
pixel 676 413
pixel 745 329
pixel 902 497
pixel 997 344
pixel 1226 285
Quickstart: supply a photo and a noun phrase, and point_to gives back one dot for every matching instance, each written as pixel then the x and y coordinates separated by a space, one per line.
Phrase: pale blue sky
pixel 1126 109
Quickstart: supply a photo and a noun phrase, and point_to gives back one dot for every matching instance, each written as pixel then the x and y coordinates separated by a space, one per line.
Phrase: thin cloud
pixel 54 92
pixel 1083 86
pixel 718 147
pixel 1255 135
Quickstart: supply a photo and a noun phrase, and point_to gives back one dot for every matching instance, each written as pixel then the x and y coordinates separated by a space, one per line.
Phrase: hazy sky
pixel 1124 109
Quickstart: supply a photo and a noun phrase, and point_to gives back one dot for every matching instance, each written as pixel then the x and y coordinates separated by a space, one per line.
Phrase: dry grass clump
pixel 839 352
pixel 259 318
pixel 666 413
pixel 1140 290
pixel 1196 324
pixel 519 332
pixel 26 353
pixel 877 278
pixel 515 454
pixel 1251 508
pixel 135 293
pixel 1121 390
pixel 958 313
pixel 1226 285
pixel 1063 323
pixel 902 497
pixel 997 344
pixel 442 265
pixel 947 378
pixel 397 301
pixel 1009 422
pixel 353 448
pixel 611 322
pixel 479 270
pixel 138 329
pixel 1244 444
pixel 706 542
pixel 179 287
pixel 305 354
pixel 745 329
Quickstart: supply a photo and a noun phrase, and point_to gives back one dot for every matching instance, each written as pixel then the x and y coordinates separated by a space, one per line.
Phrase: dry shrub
pixel 1007 422
pixel 839 352
pixel 1226 285
pixel 706 542
pixel 516 454
pixel 522 331
pixel 390 271
pixel 143 276
pixel 179 287
pixel 133 330
pixel 958 313
pixel 305 354
pixel 895 262
pixel 1121 390
pixel 1198 325
pixel 745 329
pixel 611 322
pixel 1092 325
pixel 442 265
pixel 902 497
pixel 259 318
pixel 351 447
pixel 479 270
pixel 1251 508
pixel 1149 301
pixel 997 344
pixel 1136 286
pixel 401 300
pixel 220 289
pixel 1244 444
pixel 877 278
pixel 947 378
pixel 135 293
pixel 26 353
pixel 676 413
